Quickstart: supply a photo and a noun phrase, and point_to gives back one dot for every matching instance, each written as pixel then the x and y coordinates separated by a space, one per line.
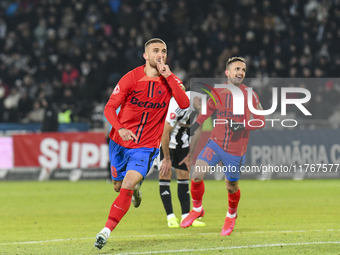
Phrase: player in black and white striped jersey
pixel 175 153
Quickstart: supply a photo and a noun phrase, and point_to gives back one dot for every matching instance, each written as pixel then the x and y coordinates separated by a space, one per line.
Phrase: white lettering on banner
pixel 49 148
pixel 89 155
pixel 294 154
pixel 283 154
pixel 56 154
pixel 322 155
pixel 104 156
pixel 334 151
pixel 306 153
pixel 74 161
pixel 255 154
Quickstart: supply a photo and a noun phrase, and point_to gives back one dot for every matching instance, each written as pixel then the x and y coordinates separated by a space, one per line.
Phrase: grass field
pixel 275 217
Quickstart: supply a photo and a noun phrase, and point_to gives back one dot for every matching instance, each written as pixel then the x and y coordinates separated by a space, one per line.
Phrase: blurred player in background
pixel 144 95
pixel 228 143
pixel 175 153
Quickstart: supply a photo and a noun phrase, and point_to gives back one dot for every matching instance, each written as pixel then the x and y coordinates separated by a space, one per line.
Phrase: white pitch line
pixel 172 235
pixel 227 248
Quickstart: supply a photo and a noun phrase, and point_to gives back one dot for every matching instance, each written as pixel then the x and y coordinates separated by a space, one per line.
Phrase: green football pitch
pixel 275 217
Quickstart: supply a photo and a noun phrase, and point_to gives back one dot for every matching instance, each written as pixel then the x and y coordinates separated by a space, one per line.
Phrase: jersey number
pixel 114 172
pixel 208 153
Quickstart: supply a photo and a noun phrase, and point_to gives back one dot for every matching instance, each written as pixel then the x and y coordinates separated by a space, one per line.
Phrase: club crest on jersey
pixel 160 91
pixel 172 116
pixel 116 90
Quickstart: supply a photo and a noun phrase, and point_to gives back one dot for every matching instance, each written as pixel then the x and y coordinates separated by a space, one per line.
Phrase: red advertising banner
pixel 60 150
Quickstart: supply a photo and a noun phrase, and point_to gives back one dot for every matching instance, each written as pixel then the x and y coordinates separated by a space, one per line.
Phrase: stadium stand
pixel 74 52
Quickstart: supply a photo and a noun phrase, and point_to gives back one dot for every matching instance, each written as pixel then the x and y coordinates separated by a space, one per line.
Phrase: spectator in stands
pixel 65 116
pixel 11 105
pixel 50 120
pixel 25 105
pixel 4 91
pixel 37 114
pixel 70 75
pixel 69 107
pixel 92 38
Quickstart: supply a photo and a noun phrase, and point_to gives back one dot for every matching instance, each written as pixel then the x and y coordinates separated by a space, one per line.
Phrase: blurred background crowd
pixel 67 56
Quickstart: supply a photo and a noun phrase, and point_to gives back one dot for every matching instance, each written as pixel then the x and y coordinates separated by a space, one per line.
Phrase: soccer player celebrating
pixel 144 95
pixel 175 152
pixel 228 143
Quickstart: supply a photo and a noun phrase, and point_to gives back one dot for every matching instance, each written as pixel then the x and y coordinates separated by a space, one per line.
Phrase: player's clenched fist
pixel 163 68
pixel 126 134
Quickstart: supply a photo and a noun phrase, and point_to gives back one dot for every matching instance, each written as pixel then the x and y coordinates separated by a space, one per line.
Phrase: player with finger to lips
pixel 143 95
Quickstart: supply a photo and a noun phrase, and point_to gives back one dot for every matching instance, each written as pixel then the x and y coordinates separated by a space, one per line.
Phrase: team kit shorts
pixel 123 159
pixel 213 154
pixel 176 156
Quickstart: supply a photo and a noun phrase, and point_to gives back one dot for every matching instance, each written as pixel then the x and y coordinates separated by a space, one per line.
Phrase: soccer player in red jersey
pixel 228 143
pixel 143 95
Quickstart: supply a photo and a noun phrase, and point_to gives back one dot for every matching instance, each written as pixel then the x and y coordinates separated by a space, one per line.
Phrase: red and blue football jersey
pixel 144 103
pixel 234 143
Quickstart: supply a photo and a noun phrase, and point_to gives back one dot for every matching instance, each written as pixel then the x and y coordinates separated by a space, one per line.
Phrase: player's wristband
pixel 236 126
pixel 193 128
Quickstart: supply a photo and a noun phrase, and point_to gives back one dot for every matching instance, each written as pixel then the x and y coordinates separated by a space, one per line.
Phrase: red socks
pixel 197 191
pixel 233 201
pixel 119 207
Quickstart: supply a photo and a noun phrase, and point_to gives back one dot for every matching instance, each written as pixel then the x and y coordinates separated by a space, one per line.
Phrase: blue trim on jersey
pixel 123 159
pixel 151 88
pixel 227 100
pixel 226 136
pixel 152 158
pixel 232 163
pixel 146 119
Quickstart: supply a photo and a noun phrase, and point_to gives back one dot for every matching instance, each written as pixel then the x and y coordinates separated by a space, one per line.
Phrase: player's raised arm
pixel 174 83
pixel 177 92
pixel 203 117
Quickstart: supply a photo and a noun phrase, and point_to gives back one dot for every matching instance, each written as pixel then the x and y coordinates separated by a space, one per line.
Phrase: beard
pixel 153 63
pixel 236 81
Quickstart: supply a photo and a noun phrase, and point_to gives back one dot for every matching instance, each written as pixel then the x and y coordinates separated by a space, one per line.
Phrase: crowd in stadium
pixel 74 52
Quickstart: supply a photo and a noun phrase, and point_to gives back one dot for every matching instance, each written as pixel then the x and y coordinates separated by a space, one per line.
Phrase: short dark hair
pixel 234 59
pixel 154 40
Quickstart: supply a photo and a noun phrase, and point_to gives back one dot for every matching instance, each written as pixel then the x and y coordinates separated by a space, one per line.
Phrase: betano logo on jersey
pixel 227 114
pixel 147 104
